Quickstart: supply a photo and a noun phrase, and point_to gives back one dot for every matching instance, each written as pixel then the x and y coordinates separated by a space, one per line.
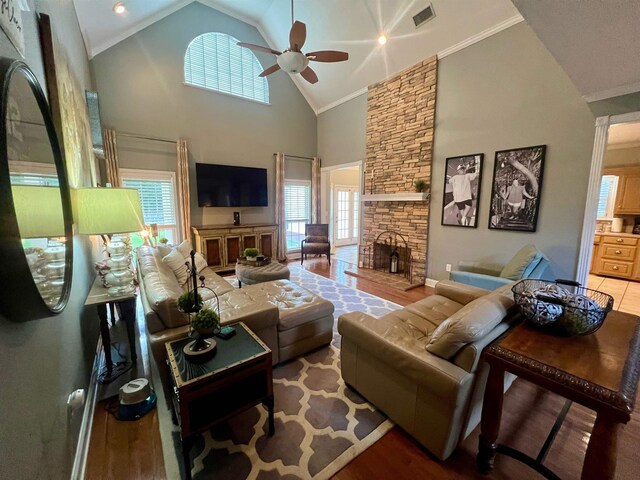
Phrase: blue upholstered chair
pixel 529 262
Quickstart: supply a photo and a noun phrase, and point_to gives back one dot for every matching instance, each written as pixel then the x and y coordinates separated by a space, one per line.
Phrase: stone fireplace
pixel 400 127
pixel 377 256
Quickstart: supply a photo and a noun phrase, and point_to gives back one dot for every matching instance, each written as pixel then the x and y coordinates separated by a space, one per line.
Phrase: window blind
pixel 607 196
pixel 34 179
pixel 297 201
pixel 215 61
pixel 157 199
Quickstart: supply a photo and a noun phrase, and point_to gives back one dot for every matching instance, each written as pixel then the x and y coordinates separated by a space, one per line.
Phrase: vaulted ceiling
pixel 349 25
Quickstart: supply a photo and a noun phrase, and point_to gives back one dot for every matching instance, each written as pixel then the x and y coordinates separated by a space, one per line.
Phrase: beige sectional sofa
pixel 289 319
pixel 421 365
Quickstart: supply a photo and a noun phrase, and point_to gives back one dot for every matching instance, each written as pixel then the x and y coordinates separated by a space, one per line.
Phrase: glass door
pixel 346 215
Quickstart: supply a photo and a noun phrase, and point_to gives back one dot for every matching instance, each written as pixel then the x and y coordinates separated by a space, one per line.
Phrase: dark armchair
pixel 316 241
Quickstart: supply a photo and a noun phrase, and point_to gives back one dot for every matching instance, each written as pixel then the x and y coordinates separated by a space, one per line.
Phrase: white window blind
pixel 157 198
pixel 297 201
pixel 607 196
pixel 34 179
pixel 215 61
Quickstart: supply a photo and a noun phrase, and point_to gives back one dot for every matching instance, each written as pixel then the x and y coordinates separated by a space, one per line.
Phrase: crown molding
pixel 478 37
pixel 612 92
pixel 342 100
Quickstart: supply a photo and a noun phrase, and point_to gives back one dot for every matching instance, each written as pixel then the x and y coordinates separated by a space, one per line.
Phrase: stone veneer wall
pixel 400 125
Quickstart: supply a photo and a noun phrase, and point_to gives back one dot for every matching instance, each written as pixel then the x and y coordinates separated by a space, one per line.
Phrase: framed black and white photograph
pixel 515 191
pixel 461 191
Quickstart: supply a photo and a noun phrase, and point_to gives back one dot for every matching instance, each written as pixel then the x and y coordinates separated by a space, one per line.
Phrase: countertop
pixel 621 234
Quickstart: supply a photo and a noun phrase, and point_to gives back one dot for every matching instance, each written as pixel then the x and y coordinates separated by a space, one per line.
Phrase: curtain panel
pixel 315 190
pixel 281 246
pixel 184 200
pixel 111 158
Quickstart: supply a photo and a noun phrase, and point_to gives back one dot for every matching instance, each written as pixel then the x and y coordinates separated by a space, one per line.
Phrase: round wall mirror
pixel 36 241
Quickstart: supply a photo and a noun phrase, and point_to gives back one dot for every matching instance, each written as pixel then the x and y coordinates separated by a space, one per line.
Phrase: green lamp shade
pixel 108 210
pixel 38 210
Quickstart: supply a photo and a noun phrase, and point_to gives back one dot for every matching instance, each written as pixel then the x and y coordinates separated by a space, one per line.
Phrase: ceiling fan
pixel 292 60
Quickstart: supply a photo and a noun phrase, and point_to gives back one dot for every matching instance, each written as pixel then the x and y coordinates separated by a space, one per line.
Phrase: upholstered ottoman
pixel 251 275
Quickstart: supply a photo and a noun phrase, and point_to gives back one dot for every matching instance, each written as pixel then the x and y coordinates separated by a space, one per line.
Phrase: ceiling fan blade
pixel 259 48
pixel 309 75
pixel 297 36
pixel 270 70
pixel 328 56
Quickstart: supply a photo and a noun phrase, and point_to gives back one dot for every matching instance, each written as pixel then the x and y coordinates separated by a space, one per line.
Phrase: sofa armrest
pixel 459 292
pixel 407 355
pixel 481 267
pixel 488 282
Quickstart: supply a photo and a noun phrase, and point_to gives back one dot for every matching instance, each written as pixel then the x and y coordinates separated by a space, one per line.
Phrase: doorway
pixel 341 203
pixel 346 218
pixel 610 247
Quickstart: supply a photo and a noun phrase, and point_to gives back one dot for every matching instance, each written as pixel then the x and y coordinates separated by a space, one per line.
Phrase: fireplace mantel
pixel 396 197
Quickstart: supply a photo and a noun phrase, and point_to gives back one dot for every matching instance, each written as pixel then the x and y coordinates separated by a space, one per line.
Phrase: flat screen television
pixel 229 186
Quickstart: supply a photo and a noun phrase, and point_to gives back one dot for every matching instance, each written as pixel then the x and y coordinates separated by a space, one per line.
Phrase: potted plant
pixel 187 302
pixel 420 186
pixel 205 322
pixel 251 253
pixel 163 240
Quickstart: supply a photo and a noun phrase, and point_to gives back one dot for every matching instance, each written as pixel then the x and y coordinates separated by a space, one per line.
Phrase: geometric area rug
pixel 321 425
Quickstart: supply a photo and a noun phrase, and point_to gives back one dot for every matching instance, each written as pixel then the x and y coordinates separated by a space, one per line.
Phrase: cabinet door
pixel 213 251
pixel 232 249
pixel 628 195
pixel 250 241
pixel 267 244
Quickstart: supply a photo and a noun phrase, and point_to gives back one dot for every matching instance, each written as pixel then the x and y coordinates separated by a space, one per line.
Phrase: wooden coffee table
pixel 599 371
pixel 235 379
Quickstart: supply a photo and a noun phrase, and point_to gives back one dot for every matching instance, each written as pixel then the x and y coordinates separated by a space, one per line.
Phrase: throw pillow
pixel 201 263
pixel 514 270
pixel 185 248
pixel 469 324
pixel 164 250
pixel 316 239
pixel 176 262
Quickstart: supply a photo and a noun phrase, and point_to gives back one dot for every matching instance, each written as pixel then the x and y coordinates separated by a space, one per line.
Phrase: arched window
pixel 215 61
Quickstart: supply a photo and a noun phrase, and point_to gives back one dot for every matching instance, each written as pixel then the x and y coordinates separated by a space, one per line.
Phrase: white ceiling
pixel 349 25
pixel 624 134
pixel 597 42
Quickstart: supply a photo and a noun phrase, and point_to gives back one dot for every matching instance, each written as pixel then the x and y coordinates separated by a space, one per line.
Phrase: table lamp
pixel 39 213
pixel 112 211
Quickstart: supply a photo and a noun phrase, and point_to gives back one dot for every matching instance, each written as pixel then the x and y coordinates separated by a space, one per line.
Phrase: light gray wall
pixel 141 90
pixel 616 105
pixel 622 156
pixel 44 360
pixel 342 132
pixel 504 92
pixel 296 169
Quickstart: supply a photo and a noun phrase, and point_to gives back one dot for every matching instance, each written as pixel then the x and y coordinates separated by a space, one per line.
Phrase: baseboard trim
pixel 430 282
pixel 84 438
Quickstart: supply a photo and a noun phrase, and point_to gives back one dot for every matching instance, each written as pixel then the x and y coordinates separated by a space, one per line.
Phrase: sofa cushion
pixel 162 295
pixel 459 292
pixel 469 324
pixel 415 326
pixel 215 282
pixel 201 263
pixel 185 248
pixel 176 262
pixel 515 269
pixel 164 250
pixel 434 309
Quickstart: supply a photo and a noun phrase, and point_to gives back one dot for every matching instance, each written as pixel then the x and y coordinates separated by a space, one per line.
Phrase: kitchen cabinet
pixel 617 255
pixel 628 192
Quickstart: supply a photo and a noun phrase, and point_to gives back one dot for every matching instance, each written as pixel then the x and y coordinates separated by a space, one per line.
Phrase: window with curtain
pixel 297 211
pixel 215 61
pixel 158 198
pixel 607 196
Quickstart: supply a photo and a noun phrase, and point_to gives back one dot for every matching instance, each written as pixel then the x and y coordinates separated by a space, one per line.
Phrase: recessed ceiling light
pixel 119 8
pixel 382 39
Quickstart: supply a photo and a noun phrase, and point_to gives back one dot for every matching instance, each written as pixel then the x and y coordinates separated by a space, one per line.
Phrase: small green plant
pixel 187 304
pixel 251 252
pixel 420 185
pixel 205 319
pixel 163 240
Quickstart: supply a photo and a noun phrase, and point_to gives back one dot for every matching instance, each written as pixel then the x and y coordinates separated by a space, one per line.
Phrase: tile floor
pixel 626 295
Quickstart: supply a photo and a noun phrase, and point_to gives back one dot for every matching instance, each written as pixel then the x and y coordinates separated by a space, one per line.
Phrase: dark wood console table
pixel 599 371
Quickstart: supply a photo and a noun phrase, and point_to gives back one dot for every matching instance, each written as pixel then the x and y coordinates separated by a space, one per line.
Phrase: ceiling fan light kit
pixel 292 60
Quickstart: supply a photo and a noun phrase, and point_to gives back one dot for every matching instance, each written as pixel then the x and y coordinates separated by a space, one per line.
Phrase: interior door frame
pixel 593 191
pixel 334 194
pixel 326 194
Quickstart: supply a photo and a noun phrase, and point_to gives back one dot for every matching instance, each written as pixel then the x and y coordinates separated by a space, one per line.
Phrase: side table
pixel 599 371
pixel 99 297
pixel 237 377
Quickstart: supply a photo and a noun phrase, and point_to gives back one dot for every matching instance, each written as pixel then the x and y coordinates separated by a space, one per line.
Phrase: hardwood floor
pixel 131 450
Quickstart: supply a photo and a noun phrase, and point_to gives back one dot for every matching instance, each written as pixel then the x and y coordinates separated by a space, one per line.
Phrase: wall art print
pixel 516 187
pixel 69 109
pixel 461 192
